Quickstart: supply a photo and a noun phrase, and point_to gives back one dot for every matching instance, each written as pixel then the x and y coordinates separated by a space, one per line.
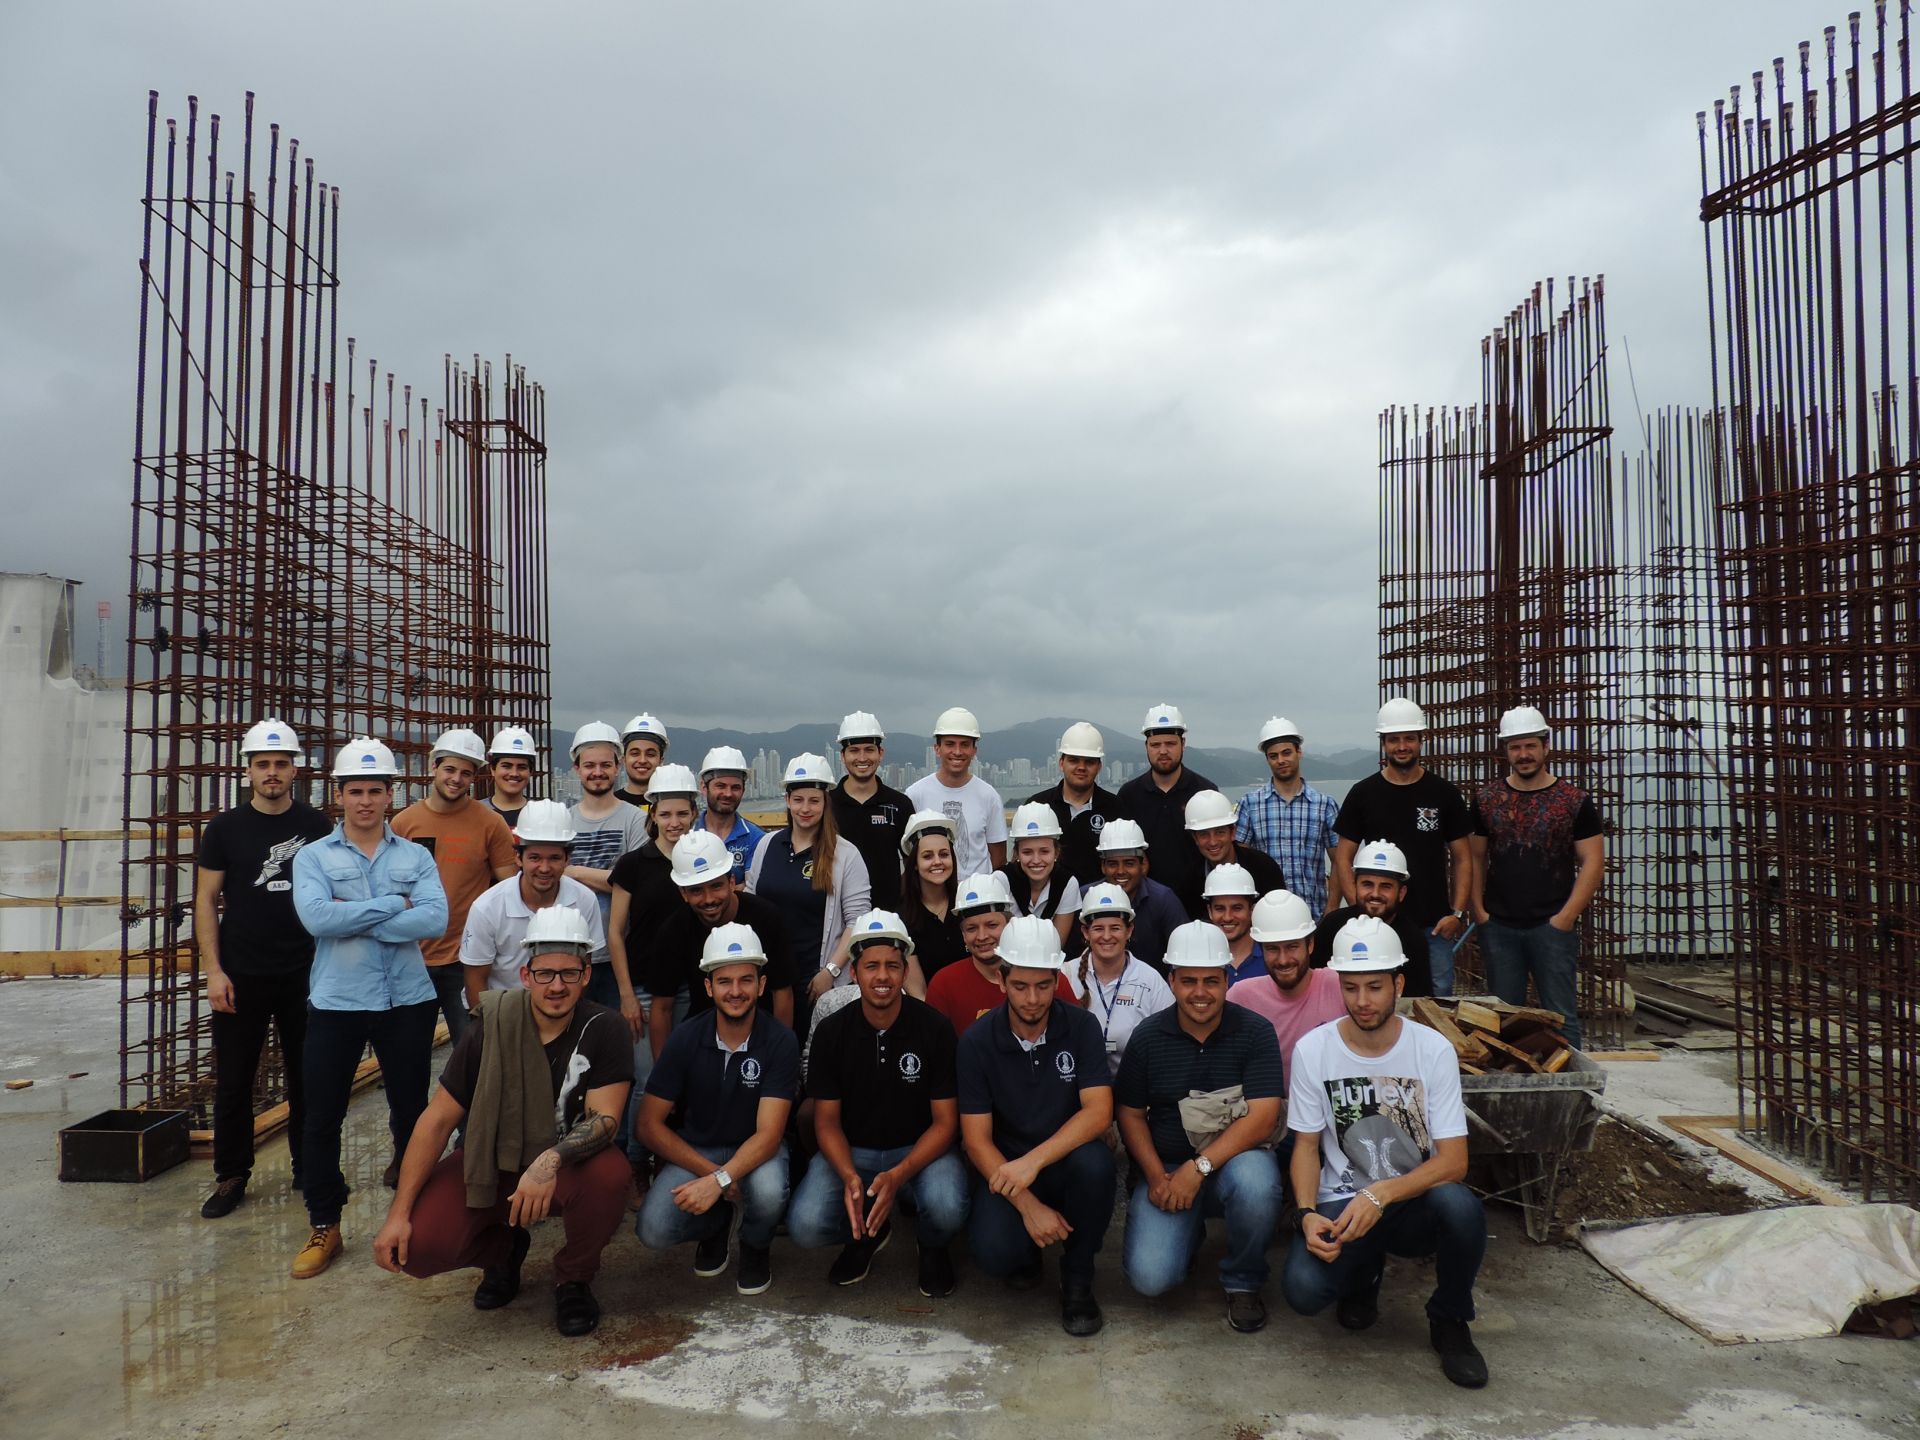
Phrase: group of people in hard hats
pixel 894 1008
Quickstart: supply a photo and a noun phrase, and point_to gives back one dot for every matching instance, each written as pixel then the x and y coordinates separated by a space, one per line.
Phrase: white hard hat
pixel 272 737
pixel 1281 915
pixel 879 927
pixel 731 944
pixel 1121 837
pixel 699 857
pixel 1398 716
pixel 544 822
pixel 461 742
pixel 722 757
pixel 1209 810
pixel 921 821
pixel 1278 728
pixel 1228 879
pixel 1197 945
pixel 1031 943
pixel 365 759
pixel 1364 943
pixel 956 721
pixel 594 732
pixel 808 770
pixel 512 740
pixel 983 892
pixel 1523 720
pixel 1104 899
pixel 1163 717
pixel 671 780
pixel 860 726
pixel 557 927
pixel 1083 740
pixel 1380 857
pixel 644 724
pixel 1034 820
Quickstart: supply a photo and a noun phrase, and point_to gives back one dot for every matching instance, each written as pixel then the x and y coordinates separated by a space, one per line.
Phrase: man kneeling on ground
pixel 1380 1151
pixel 727 1079
pixel 541 1062
pixel 881 1074
pixel 1036 1098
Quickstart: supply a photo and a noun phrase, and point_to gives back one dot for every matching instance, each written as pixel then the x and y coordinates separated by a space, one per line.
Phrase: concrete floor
pixel 126 1314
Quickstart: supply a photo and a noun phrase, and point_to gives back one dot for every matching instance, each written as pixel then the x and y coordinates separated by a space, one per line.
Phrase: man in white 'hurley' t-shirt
pixel 1382 1097
pixel 978 814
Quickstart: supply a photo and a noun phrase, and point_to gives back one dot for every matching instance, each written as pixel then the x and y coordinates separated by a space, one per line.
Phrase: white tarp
pixel 1793 1274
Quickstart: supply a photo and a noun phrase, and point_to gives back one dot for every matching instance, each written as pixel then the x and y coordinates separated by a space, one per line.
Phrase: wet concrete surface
pixel 122 1313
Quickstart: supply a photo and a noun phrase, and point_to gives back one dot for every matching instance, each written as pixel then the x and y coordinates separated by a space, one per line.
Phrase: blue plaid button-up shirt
pixel 1297 832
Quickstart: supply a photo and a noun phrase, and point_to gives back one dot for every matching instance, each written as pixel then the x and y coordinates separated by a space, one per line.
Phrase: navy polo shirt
pixel 715 1093
pixel 1164 1064
pixel 885 1080
pixel 1030 1094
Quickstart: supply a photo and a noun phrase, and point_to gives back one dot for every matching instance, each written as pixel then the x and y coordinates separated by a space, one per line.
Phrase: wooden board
pixel 1719 1131
pixel 1480 1017
pixel 1613 1057
pixel 59 962
pixel 1500 1047
pixel 1557 1062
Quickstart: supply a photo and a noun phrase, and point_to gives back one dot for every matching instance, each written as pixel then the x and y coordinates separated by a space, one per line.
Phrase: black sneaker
pixel 1079 1311
pixel 575 1311
pixel 1246 1312
pixel 500 1283
pixel 856 1260
pixel 390 1177
pixel 1460 1361
pixel 936 1271
pixel 754 1273
pixel 226 1197
pixel 1360 1307
pixel 710 1255
pixel 1027 1276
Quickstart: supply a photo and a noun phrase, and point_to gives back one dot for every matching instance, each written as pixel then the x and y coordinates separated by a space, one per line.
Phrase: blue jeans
pixel 450 994
pixel 938 1195
pixel 1550 957
pixel 1447 1222
pixel 603 989
pixel 1440 953
pixel 1079 1185
pixel 1160 1244
pixel 760 1196
pixel 402 1041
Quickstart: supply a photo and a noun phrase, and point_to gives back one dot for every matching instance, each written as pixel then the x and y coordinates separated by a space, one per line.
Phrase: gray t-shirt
pixel 598 843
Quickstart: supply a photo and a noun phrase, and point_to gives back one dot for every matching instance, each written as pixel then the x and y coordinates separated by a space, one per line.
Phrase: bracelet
pixel 1374 1199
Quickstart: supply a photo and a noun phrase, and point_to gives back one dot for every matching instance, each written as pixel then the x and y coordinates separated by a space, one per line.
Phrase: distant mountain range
pixel 1033 740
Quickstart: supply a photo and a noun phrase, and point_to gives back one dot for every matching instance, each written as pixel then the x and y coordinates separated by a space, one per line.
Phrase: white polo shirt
pixel 497 923
pixel 1121 1005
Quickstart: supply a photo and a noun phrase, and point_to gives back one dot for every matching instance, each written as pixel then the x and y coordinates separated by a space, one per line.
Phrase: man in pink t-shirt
pixel 1292 995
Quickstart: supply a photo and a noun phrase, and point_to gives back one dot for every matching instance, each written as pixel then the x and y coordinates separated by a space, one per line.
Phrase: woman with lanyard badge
pixel 927 893
pixel 1039 880
pixel 1120 991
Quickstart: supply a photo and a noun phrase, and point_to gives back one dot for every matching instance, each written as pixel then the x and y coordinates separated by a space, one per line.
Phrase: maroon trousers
pixel 590 1199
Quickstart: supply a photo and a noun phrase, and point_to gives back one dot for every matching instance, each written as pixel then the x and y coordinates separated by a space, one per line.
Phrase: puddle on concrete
pixel 775 1367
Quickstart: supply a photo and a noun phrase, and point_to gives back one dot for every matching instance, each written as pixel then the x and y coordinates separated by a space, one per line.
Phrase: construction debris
pixel 1492 1036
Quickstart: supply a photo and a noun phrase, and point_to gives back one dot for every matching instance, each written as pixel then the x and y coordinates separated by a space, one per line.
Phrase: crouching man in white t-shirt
pixel 1383 1098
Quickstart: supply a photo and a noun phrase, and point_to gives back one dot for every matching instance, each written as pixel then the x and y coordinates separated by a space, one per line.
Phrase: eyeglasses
pixel 571 976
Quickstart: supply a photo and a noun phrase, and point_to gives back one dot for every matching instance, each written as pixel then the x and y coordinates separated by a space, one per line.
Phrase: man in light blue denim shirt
pixel 368 898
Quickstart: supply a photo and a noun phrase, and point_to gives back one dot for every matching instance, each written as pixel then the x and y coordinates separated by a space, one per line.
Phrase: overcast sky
pixel 1022 356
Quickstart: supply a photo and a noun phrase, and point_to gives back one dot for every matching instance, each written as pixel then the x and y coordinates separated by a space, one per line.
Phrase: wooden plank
pixel 1718 1131
pixel 1614 1057
pixel 143 834
pixel 1480 1017
pixel 1557 1062
pixel 1496 1044
pixel 59 962
pixel 61 902
pixel 1430 1014
pixel 1551 1018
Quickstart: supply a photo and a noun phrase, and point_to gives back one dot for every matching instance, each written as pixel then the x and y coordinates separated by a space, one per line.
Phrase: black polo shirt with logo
pixel 885 1080
pixel 1030 1094
pixel 1260 866
pixel 715 1093
pixel 875 827
pixel 1163 1065
pixel 1162 816
pixel 1080 834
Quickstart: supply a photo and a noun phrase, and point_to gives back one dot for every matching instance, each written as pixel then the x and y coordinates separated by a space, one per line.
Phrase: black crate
pixel 125 1145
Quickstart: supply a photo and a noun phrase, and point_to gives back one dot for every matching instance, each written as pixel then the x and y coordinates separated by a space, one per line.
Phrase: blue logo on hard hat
pixel 973 894
pixel 875 925
pixel 699 862
pixel 366 761
pixel 1163 717
pixel 1358 947
pixel 734 948
pixel 1032 825
pixel 273 734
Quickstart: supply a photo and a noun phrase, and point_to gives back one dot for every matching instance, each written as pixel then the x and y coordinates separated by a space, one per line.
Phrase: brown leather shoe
pixel 317 1254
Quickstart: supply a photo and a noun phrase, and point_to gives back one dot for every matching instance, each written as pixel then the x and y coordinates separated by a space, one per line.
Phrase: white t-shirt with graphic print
pixel 1377 1116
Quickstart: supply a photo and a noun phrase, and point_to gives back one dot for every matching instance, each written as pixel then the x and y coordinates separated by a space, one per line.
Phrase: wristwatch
pixel 836 971
pixel 1203 1165
pixel 1460 915
pixel 723 1180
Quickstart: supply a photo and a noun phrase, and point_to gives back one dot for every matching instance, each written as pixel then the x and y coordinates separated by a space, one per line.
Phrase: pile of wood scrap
pixel 1492 1037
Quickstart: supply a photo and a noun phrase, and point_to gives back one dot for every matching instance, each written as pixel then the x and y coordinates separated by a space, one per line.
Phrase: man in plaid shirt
pixel 1289 819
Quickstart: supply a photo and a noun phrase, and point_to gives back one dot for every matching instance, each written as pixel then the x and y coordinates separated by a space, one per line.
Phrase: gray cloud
pixel 1026 357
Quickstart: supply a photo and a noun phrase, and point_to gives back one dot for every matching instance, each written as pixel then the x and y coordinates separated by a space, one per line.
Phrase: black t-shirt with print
pixel 885 1080
pixel 259 932
pixel 595 1049
pixel 674 962
pixel 1422 819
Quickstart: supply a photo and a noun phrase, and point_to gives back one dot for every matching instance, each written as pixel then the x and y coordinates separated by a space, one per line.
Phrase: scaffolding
pixel 352 563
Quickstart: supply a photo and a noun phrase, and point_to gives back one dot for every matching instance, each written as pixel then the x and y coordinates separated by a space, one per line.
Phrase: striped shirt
pixel 1297 832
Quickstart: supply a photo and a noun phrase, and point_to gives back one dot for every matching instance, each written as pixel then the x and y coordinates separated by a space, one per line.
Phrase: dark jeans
pixel 450 994
pixel 237 1041
pixel 402 1041
pixel 1447 1222
pixel 1549 957
pixel 1080 1186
